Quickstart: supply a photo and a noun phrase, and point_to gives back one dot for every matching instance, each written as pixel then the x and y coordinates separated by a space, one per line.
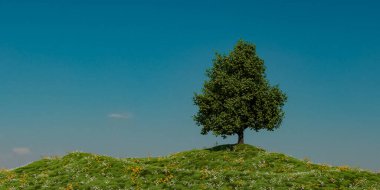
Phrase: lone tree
pixel 238 96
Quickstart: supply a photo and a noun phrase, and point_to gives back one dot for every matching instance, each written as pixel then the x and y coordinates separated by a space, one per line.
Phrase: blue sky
pixel 117 77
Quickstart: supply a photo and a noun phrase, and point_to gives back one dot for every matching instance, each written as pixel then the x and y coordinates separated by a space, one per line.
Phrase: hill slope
pixel 221 167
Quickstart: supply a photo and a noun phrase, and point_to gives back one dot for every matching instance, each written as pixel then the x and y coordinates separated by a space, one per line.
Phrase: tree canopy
pixel 238 96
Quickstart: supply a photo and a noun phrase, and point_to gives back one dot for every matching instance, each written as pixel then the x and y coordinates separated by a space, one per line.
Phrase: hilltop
pixel 220 167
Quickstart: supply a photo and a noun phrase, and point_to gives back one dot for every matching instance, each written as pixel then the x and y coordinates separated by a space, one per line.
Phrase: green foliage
pixel 238 96
pixel 221 167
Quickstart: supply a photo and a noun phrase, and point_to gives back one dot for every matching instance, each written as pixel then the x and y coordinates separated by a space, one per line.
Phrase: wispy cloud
pixel 119 115
pixel 21 150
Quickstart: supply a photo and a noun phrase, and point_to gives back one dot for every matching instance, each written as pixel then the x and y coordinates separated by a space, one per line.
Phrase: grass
pixel 220 167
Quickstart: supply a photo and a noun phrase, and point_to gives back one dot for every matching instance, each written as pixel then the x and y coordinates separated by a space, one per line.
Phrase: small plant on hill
pixel 238 96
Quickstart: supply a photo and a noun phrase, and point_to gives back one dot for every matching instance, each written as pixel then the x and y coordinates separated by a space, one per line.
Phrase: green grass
pixel 221 167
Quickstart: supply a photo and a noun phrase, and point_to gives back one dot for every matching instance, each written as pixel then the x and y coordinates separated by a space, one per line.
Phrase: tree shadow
pixel 225 147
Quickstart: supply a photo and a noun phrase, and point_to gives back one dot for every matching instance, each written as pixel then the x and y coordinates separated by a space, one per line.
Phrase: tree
pixel 238 96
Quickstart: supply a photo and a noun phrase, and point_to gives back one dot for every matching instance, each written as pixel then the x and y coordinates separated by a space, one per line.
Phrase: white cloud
pixel 21 150
pixel 119 115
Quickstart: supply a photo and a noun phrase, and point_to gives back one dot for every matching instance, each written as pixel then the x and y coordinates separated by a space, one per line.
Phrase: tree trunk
pixel 240 137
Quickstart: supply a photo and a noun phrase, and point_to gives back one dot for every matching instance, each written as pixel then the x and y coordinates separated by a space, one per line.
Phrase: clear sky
pixel 117 77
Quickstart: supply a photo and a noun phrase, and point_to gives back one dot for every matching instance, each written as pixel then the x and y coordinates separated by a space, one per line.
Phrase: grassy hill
pixel 221 167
